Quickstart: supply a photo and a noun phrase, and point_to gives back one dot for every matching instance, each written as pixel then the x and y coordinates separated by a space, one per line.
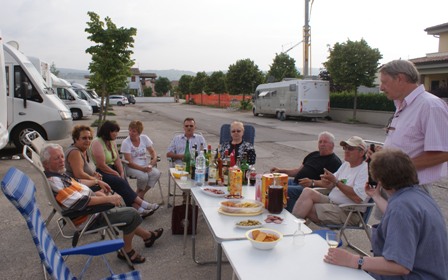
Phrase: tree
pixel 53 69
pixel 243 77
pixel 111 56
pixel 352 64
pixel 282 67
pixel 147 92
pixel 162 86
pixel 199 83
pixel 185 84
pixel 217 82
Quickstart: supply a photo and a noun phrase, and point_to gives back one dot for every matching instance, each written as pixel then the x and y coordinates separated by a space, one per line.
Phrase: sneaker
pixel 152 206
pixel 146 213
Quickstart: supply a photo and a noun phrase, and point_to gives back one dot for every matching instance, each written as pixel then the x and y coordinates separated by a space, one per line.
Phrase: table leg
pixel 186 222
pixel 218 261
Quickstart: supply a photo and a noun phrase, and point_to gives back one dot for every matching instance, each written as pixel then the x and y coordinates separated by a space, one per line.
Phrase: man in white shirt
pixel 347 186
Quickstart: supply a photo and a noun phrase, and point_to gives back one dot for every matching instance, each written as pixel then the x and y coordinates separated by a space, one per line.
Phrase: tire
pixel 76 114
pixel 255 113
pixel 119 103
pixel 278 115
pixel 18 134
pixel 282 116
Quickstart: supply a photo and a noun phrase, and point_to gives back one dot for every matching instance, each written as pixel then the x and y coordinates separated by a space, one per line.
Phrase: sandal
pixel 133 256
pixel 154 236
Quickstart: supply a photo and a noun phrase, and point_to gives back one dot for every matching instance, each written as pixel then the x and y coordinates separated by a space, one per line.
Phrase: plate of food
pixel 248 224
pixel 241 207
pixel 215 191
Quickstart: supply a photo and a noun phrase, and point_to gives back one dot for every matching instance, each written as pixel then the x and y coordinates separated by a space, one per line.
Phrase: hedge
pixel 366 101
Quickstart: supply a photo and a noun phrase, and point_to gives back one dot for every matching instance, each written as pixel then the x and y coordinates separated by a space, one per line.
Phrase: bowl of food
pixel 241 206
pixel 178 174
pixel 264 238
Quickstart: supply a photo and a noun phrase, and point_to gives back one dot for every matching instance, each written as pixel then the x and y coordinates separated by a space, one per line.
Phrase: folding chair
pixel 35 140
pixel 20 190
pixel 248 136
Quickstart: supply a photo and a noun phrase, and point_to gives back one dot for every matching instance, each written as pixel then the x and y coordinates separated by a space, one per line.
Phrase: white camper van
pixel 64 90
pixel 83 93
pixel 31 104
pixel 293 98
pixel 4 135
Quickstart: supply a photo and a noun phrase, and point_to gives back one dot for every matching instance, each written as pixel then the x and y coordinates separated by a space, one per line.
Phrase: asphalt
pixel 165 260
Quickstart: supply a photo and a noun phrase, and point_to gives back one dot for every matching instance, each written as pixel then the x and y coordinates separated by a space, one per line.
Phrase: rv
pixel 31 104
pixel 85 94
pixel 4 135
pixel 64 90
pixel 292 98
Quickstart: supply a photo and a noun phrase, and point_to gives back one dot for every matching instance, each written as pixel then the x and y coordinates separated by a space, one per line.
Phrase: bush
pixel 246 105
pixel 366 101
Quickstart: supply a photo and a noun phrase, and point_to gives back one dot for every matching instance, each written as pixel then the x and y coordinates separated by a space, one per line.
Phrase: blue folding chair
pixel 248 136
pixel 20 190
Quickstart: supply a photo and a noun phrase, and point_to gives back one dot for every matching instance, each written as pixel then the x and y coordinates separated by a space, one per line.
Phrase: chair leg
pixel 349 244
pixel 161 193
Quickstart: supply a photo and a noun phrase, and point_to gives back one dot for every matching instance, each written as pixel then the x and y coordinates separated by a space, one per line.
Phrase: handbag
pixel 178 219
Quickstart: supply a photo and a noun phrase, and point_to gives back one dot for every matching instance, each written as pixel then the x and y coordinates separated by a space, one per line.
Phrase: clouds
pixel 208 35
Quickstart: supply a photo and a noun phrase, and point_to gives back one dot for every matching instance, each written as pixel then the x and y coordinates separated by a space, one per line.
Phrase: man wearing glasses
pixel 347 186
pixel 176 148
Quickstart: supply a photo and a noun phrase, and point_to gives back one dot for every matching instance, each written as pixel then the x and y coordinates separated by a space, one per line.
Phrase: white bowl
pixel 237 206
pixel 264 245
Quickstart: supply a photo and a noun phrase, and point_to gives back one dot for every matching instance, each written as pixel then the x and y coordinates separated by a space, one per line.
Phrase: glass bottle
pixel 187 156
pixel 212 171
pixel 245 169
pixel 193 162
pixel 252 175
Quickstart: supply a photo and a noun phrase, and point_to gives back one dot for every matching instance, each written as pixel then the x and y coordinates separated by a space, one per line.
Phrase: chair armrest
pixel 95 249
pixel 70 213
pixel 323 191
pixel 355 206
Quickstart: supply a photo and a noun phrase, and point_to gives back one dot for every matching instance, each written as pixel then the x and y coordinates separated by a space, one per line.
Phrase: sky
pixel 211 35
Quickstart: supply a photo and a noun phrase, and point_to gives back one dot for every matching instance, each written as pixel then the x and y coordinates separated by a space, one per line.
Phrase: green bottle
pixel 187 156
pixel 244 168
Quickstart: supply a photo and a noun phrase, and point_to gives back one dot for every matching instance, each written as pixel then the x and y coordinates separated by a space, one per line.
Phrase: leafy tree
pixel 162 86
pixel 199 83
pixel 282 67
pixel 147 92
pixel 217 82
pixel 185 84
pixel 352 64
pixel 111 56
pixel 243 77
pixel 54 70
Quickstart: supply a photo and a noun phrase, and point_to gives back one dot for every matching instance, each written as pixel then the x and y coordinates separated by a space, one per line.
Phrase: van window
pixel 292 87
pixel 64 94
pixel 22 86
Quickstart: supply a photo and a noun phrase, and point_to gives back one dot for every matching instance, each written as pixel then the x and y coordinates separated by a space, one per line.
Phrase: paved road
pixel 277 144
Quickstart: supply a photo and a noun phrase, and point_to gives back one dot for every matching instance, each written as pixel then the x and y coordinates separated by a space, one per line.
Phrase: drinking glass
pixel 248 177
pixel 298 237
pixel 332 238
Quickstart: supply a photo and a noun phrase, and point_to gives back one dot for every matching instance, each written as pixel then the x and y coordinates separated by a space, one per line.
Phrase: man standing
pixel 176 148
pixel 347 186
pixel 419 126
pixel 312 167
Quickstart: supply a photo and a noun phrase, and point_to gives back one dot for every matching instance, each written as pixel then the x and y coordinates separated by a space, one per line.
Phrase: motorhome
pixel 4 135
pixel 31 104
pixel 292 98
pixel 83 93
pixel 80 108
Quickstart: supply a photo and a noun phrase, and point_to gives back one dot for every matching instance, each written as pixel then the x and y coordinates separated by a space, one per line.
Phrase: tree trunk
pixel 355 101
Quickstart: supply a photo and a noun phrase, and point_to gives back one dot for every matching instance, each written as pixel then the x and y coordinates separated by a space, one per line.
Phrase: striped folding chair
pixel 20 190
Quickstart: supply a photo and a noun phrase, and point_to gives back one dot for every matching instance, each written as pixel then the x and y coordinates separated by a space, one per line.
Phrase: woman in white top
pixel 135 148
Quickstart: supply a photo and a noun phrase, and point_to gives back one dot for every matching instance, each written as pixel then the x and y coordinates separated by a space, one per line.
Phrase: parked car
pixel 119 100
pixel 130 97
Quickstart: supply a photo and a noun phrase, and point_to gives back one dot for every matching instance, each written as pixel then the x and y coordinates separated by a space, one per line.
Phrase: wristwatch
pixel 360 262
pixel 312 183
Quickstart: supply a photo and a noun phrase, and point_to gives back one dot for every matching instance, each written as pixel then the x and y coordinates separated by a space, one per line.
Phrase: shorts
pixel 330 213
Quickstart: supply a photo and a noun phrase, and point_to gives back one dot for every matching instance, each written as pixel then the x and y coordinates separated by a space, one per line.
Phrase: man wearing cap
pixel 347 186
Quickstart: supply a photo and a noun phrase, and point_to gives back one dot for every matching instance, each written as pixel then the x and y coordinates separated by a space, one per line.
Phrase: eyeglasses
pixel 188 125
pixel 389 124
pixel 86 138
pixel 350 148
pixel 235 131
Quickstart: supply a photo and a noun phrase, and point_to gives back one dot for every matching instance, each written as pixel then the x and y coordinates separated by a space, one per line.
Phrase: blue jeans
pixel 294 191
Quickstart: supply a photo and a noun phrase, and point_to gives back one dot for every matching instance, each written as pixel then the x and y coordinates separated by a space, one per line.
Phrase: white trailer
pixel 4 135
pixel 31 104
pixel 293 98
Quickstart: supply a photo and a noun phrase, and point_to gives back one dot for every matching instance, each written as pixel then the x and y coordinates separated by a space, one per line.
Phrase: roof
pixel 135 71
pixel 430 59
pixel 437 29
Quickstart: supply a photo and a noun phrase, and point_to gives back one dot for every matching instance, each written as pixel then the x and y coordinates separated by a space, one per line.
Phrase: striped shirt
pixel 178 143
pixel 420 124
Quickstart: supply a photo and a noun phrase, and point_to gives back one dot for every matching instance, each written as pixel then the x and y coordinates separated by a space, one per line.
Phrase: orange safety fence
pixel 222 100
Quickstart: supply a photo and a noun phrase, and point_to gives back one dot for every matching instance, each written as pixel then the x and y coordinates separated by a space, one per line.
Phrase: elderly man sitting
pixel 347 186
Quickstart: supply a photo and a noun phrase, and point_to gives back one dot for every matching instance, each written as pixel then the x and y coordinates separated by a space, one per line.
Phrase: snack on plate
pixel 261 236
pixel 245 204
pixel 273 219
pixel 215 191
pixel 248 223
pixel 242 206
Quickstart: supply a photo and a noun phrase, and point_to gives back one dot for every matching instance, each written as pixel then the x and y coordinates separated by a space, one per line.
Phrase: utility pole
pixel 306 40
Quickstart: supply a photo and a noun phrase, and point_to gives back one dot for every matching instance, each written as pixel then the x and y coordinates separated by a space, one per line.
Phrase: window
pixel 263 93
pixel 23 86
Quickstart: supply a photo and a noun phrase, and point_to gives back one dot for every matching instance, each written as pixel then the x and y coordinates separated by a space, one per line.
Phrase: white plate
pixel 224 189
pixel 248 227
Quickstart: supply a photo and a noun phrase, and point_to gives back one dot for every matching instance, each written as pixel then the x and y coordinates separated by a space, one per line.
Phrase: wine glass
pixel 299 236
pixel 248 177
pixel 332 238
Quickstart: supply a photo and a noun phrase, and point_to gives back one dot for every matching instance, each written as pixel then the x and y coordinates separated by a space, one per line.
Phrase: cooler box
pixel 267 180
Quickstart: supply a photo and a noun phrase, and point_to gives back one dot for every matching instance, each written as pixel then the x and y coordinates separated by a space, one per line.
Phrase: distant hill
pixel 171 74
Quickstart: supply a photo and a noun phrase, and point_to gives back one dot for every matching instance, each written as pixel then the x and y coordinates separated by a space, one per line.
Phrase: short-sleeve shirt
pixel 314 164
pixel 355 177
pixel 413 234
pixel 179 142
pixel 138 154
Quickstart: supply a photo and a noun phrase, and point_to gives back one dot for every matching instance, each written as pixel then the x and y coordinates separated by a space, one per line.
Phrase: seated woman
pixel 410 241
pixel 105 156
pixel 134 149
pixel 237 145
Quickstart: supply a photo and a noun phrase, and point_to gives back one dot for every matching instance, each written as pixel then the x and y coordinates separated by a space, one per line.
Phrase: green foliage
pixel 246 105
pixel 367 101
pixel 147 92
pixel 243 77
pixel 185 84
pixel 199 83
pixel 282 67
pixel 162 86
pixel 217 82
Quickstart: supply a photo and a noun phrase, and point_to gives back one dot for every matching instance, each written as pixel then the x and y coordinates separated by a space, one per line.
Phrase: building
pixel 139 80
pixel 434 66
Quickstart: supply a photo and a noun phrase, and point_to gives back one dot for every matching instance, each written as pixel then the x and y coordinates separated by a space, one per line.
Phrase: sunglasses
pixel 86 138
pixel 235 131
pixel 188 125
pixel 349 148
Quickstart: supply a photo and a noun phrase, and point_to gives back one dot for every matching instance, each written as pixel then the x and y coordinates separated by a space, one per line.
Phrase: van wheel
pixel 76 114
pixel 253 112
pixel 18 134
pixel 278 115
pixel 282 116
